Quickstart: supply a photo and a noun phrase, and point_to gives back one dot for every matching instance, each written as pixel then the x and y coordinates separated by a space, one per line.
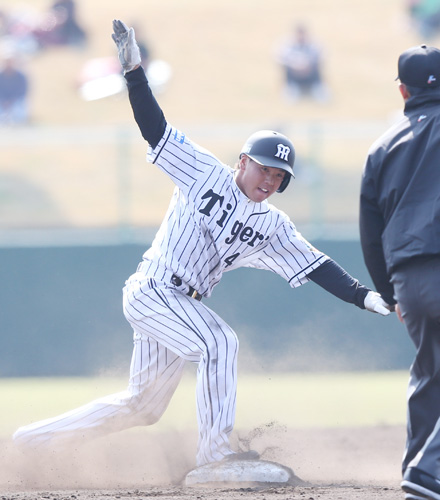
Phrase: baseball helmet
pixel 271 149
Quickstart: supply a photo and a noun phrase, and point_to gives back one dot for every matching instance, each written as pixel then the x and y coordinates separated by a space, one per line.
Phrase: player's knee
pixel 225 344
pixel 143 412
pixel 231 340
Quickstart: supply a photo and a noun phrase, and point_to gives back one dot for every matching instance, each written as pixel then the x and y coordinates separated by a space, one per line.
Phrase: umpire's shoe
pixel 421 484
pixel 411 496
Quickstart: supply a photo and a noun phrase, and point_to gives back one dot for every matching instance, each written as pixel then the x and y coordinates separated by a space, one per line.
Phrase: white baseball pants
pixel 169 329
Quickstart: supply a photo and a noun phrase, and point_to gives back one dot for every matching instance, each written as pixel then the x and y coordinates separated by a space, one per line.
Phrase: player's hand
pixel 128 51
pixel 375 303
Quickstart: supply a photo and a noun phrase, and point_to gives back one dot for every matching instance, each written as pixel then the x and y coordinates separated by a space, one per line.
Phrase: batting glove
pixel 375 303
pixel 128 51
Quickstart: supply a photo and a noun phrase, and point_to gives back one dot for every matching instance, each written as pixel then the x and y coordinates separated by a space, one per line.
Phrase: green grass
pixel 293 400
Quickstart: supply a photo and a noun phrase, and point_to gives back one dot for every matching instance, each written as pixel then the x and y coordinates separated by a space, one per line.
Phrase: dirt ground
pixel 328 464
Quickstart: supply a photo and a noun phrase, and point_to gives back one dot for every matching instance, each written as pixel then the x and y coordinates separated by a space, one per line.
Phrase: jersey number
pixel 229 260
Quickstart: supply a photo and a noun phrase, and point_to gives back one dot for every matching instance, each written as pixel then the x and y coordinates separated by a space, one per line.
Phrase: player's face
pixel 257 181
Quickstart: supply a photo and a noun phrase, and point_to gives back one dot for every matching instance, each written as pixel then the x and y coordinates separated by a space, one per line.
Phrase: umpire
pixel 400 237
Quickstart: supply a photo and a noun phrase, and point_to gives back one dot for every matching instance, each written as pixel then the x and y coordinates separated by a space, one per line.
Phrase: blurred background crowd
pixel 319 73
pixel 25 32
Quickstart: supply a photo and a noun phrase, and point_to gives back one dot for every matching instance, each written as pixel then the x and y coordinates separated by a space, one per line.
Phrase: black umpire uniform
pixel 400 238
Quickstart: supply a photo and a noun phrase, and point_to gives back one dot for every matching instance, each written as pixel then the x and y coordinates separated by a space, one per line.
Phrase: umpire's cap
pixel 271 149
pixel 420 67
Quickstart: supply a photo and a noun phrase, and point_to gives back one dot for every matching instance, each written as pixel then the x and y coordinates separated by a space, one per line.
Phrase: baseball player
pixel 218 220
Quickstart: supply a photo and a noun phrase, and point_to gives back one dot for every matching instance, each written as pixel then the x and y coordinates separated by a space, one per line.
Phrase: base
pixel 242 472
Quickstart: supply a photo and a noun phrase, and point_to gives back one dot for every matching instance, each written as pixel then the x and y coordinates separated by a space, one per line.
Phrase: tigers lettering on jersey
pixel 245 234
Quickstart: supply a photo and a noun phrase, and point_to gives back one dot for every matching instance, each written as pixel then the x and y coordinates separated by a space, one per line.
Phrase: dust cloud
pixel 126 459
pixel 140 459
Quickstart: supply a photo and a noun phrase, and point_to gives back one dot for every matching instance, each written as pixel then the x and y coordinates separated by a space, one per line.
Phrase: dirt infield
pixel 331 492
pixel 335 464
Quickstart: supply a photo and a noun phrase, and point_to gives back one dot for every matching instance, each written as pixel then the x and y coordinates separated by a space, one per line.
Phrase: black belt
pixel 192 292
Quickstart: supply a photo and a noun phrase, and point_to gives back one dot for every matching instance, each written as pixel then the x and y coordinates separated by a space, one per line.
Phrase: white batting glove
pixel 375 303
pixel 128 51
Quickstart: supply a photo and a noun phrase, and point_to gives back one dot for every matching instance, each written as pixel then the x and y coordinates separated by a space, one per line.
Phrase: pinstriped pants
pixel 170 328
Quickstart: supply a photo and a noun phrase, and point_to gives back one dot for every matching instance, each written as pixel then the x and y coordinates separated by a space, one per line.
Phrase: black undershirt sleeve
pixel 333 278
pixel 147 112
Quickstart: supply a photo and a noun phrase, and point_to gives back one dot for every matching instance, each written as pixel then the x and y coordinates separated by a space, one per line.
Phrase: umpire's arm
pixel 371 226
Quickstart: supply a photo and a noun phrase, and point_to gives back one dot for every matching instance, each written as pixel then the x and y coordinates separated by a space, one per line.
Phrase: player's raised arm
pixel 147 112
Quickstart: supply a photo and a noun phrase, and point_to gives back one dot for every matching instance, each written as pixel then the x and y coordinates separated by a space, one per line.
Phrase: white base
pixel 240 472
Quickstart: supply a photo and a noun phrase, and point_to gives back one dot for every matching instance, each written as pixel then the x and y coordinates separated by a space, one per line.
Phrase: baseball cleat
pixel 412 496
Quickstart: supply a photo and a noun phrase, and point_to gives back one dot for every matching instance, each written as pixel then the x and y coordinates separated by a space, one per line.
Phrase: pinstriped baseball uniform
pixel 210 227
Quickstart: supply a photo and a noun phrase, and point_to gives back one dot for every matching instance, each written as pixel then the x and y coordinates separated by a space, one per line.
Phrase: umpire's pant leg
pixel 418 294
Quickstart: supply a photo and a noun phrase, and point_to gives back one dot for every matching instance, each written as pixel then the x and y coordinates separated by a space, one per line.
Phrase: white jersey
pixel 212 227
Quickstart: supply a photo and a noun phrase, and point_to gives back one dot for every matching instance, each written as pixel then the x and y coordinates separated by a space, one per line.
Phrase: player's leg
pixel 154 375
pixel 196 334
pixel 216 392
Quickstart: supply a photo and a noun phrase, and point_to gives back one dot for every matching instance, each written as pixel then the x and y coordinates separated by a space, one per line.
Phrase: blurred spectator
pixel 301 62
pixel 61 27
pixel 14 90
pixel 16 28
pixel 425 16
pixel 70 31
